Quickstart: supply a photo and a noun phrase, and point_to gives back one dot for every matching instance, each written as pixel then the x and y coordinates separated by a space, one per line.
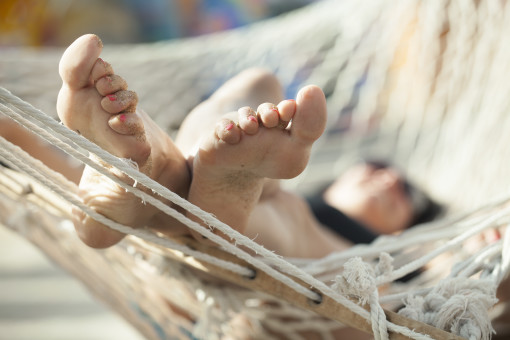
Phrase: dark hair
pixel 425 209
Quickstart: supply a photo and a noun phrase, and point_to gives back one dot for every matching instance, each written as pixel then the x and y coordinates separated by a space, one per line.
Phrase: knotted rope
pixel 359 280
pixel 457 305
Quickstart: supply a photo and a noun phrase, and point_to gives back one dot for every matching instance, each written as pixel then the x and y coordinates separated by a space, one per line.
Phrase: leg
pixel 96 103
pixel 40 149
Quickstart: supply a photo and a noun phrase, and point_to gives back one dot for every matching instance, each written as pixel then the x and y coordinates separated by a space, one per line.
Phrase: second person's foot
pixel 248 147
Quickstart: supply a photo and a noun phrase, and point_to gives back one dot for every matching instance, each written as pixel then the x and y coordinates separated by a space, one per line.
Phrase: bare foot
pixel 95 102
pixel 233 163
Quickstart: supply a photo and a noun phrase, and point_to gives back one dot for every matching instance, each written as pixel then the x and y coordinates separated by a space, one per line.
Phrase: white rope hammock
pixel 16 158
pixel 416 101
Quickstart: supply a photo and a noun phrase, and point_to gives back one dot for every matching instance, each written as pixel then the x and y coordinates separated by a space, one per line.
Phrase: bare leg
pixel 40 149
pixel 95 102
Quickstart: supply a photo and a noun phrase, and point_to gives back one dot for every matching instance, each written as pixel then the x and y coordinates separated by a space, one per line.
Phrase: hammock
pixel 420 84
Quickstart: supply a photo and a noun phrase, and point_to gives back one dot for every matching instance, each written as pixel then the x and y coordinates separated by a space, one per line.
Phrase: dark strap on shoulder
pixel 345 226
pixel 339 222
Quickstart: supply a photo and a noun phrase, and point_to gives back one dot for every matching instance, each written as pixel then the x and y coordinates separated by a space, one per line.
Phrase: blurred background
pixel 59 22
pixel 37 299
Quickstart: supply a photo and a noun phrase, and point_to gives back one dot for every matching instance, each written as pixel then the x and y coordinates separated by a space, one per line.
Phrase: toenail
pixel 122 117
pixel 112 97
pixel 275 109
pixel 252 118
pixel 229 127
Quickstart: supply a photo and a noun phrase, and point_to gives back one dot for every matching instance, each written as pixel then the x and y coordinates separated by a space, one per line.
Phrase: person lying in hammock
pixel 369 199
pixel 227 164
pixel 225 160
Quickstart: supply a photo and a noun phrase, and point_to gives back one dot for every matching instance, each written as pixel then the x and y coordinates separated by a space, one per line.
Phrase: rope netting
pixel 421 84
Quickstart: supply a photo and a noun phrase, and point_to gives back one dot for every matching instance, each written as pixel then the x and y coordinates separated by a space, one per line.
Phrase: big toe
pixel 309 122
pixel 77 61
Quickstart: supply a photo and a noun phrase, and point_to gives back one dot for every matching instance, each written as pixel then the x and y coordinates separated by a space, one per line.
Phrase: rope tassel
pixel 456 305
pixel 358 280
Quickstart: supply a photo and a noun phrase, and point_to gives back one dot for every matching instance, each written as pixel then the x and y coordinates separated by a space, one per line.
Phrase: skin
pixel 38 148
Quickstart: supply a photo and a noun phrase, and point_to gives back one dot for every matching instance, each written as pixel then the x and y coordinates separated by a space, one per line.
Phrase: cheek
pixel 378 216
pixel 389 216
pixel 403 213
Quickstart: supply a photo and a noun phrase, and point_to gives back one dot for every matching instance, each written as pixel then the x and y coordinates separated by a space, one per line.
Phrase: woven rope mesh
pixel 421 84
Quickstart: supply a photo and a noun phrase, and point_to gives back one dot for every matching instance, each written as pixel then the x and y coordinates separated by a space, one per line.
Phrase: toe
pixel 121 101
pixel 110 84
pixel 248 121
pixel 228 131
pixel 269 115
pixel 100 69
pixel 287 109
pixel 309 121
pixel 127 124
pixel 78 59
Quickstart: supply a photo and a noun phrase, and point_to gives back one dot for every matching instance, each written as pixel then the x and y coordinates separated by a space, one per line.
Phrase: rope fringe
pixel 456 305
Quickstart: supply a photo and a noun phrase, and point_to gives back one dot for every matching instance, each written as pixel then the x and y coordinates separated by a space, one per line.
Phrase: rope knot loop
pixel 357 280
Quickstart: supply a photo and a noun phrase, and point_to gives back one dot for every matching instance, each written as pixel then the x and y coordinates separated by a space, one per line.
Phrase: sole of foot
pixel 248 147
pixel 96 103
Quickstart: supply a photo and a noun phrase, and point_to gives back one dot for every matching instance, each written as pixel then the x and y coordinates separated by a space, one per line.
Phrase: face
pixel 375 197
